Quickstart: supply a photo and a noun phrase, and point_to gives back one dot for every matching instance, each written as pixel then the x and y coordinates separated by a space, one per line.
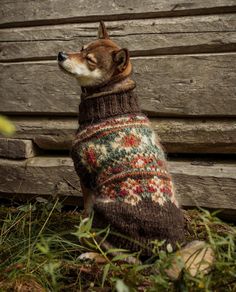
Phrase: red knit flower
pixel 123 193
pixel 138 189
pixel 131 141
pixel 160 163
pixel 91 157
pixel 166 190
pixel 151 189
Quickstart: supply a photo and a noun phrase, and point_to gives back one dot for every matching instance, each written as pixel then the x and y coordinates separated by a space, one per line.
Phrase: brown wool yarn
pixel 104 107
pixel 118 157
pixel 142 224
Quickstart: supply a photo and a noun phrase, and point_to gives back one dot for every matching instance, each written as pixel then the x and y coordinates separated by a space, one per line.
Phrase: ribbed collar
pixel 98 104
pixel 97 109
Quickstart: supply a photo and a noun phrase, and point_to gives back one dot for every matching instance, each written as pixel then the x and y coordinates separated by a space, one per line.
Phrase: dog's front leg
pixel 89 197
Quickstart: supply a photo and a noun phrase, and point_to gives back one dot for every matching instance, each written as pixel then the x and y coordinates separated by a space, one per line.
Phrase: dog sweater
pixel 120 158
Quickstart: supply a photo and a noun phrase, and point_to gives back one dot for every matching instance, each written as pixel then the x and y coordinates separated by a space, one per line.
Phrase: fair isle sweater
pixel 120 158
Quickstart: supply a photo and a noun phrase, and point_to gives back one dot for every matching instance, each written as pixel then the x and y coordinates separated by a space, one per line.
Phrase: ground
pixel 40 250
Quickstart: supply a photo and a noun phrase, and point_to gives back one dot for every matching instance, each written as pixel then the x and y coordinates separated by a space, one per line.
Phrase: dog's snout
pixel 62 56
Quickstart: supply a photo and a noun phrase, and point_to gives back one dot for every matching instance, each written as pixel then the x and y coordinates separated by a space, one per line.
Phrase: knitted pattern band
pixel 122 160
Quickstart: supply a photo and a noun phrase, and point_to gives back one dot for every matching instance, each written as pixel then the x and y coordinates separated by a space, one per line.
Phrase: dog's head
pixel 97 62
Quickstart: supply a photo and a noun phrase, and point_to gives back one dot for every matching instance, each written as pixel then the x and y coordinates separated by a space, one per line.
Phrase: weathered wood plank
pixel 47 133
pixel 210 185
pixel 185 85
pixel 198 85
pixel 196 136
pixel 177 135
pixel 39 176
pixel 209 33
pixel 16 148
pixel 49 11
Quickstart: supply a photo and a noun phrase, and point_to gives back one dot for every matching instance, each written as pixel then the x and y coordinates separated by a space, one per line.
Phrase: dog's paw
pixel 93 256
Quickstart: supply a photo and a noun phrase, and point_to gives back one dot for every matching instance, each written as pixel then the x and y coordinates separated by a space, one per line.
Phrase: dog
pixel 118 158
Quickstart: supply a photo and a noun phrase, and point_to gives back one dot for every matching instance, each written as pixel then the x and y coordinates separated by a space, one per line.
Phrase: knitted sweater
pixel 121 159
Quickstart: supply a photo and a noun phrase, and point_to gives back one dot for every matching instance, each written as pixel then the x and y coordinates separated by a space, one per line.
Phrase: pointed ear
pixel 102 31
pixel 121 58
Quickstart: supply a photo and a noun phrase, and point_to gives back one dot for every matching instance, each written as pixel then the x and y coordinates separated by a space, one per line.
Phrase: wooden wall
pixel 184 57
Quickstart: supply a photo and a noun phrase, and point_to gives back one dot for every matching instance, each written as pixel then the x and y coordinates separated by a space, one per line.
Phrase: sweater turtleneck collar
pixel 104 102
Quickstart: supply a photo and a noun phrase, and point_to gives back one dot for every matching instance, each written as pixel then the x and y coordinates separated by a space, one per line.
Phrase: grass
pixel 40 251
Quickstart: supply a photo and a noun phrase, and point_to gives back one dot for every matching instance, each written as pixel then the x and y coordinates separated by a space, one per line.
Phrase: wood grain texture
pixel 197 184
pixel 186 85
pixel 196 136
pixel 196 34
pixel 176 135
pixel 39 176
pixel 16 148
pixel 205 185
pixel 49 11
pixel 47 133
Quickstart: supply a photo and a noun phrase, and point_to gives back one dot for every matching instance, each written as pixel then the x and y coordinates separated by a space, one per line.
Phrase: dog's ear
pixel 102 31
pixel 121 58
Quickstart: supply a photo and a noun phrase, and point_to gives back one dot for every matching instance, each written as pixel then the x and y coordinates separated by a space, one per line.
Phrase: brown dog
pixel 119 161
pixel 117 156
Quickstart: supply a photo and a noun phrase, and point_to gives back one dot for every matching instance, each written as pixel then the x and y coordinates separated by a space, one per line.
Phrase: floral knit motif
pixel 125 160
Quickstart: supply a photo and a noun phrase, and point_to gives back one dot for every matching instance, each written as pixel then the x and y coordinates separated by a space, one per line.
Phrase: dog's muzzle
pixel 62 56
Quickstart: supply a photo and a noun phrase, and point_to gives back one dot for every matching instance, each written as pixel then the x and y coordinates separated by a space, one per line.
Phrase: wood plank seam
pixel 178 135
pixel 211 186
pixel 50 59
pixel 187 50
pixel 124 16
pixel 163 87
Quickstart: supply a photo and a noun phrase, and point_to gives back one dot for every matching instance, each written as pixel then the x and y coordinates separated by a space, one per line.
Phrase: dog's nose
pixel 61 56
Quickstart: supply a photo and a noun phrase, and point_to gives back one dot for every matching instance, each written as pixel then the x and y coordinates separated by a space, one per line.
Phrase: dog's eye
pixel 82 49
pixel 91 59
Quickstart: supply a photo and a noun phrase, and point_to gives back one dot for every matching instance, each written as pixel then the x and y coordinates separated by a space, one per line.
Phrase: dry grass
pixel 40 249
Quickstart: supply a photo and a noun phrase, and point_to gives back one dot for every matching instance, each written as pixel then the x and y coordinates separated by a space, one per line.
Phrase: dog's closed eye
pixel 91 59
